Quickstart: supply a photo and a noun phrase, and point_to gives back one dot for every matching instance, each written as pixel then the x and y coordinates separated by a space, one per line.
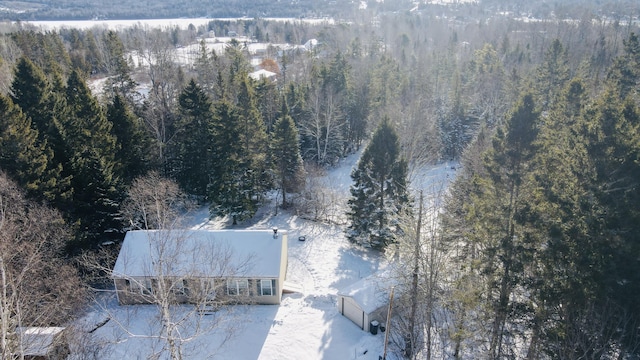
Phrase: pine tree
pixel 379 194
pixel 285 151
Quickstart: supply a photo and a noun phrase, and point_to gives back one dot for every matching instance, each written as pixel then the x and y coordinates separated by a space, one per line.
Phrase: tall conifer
pixel 285 151
pixel 379 194
pixel 192 145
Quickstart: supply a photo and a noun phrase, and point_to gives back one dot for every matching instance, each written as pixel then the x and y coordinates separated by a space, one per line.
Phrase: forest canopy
pixel 539 229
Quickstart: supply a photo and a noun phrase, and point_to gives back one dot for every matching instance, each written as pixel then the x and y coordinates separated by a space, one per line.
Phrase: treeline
pixel 439 81
pixel 87 10
pixel 339 9
pixel 541 230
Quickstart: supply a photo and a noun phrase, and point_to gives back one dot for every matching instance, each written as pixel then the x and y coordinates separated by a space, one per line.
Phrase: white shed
pixel 366 300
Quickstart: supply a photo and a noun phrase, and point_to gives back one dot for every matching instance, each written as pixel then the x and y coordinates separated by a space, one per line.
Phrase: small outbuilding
pixel 43 343
pixel 366 300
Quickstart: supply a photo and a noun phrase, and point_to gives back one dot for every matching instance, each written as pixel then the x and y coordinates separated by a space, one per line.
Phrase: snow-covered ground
pixel 182 23
pixel 306 325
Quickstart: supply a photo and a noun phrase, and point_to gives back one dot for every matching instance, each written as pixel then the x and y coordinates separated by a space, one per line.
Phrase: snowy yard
pixel 306 325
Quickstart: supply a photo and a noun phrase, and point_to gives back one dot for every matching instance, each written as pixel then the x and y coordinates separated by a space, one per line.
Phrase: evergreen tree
pixel 227 188
pixel 285 151
pixel 565 206
pixel 133 150
pixel 253 137
pixel 120 80
pixel 625 72
pixel 21 155
pixel 90 151
pixel 614 147
pixel 501 206
pixel 205 68
pixel 552 75
pixel 31 91
pixel 379 194
pixel 192 145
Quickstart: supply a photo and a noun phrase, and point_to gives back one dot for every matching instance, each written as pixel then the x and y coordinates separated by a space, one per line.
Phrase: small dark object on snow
pixel 382 327
pixel 302 238
pixel 373 327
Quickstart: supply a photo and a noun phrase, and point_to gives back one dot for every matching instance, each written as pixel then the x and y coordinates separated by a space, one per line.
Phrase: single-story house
pixel 366 300
pixel 199 266
pixel 43 343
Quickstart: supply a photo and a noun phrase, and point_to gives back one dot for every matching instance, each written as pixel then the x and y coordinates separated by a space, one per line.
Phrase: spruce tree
pixel 253 137
pixel 379 194
pixel 32 93
pixel 552 75
pixel 285 151
pixel 625 72
pixel 133 152
pixel 21 155
pixel 120 82
pixel 227 186
pixel 614 147
pixel 500 203
pixel 30 90
pixel 90 150
pixel 192 145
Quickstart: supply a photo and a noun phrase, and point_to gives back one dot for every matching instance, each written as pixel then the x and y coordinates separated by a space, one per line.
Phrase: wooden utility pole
pixel 386 334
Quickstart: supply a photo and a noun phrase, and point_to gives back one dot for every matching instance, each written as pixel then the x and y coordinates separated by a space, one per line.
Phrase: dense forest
pixel 536 252
pixel 349 10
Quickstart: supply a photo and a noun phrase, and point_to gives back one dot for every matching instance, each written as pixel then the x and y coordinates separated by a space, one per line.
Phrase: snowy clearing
pixel 306 325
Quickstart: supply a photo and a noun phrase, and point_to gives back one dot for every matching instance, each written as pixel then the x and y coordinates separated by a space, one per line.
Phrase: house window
pixel 145 287
pixel 180 287
pixel 208 289
pixel 267 287
pixel 237 287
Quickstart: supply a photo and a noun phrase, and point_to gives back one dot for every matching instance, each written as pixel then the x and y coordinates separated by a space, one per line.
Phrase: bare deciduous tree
pixel 188 281
pixel 416 323
pixel 154 202
pixel 37 287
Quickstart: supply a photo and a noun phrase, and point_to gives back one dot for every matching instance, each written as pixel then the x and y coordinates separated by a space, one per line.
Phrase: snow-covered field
pixel 306 325
pixel 182 23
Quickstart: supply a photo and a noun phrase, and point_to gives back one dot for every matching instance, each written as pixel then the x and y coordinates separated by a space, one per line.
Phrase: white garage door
pixel 352 311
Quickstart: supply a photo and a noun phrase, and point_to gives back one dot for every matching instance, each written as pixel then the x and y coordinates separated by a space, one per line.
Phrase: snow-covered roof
pixel 37 341
pixel 310 44
pixel 262 73
pixel 200 253
pixel 371 292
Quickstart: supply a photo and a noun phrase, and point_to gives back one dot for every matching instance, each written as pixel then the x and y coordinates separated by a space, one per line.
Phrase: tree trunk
pixel 410 348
